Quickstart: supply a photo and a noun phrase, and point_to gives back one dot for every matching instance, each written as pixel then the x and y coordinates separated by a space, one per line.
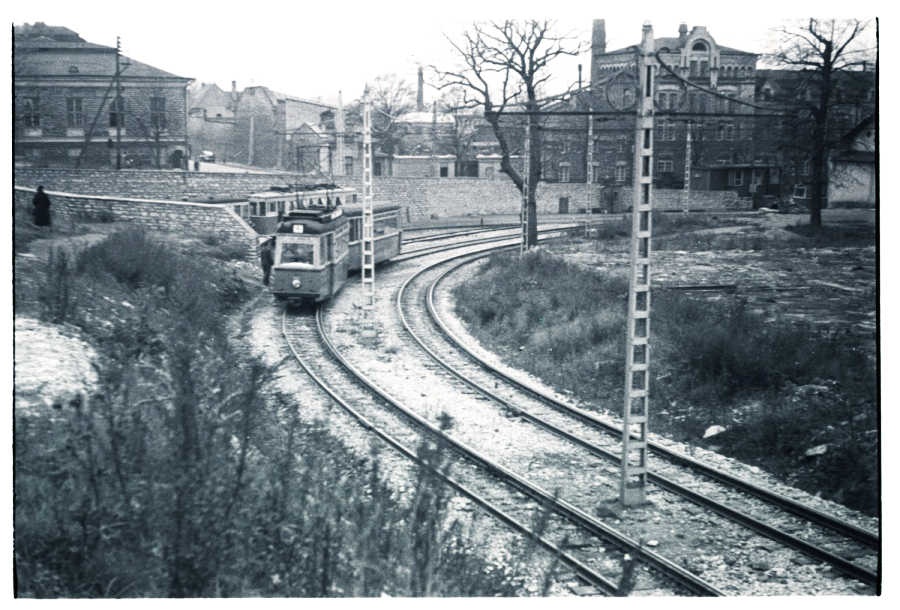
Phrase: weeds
pixel 566 325
pixel 181 478
pixel 55 293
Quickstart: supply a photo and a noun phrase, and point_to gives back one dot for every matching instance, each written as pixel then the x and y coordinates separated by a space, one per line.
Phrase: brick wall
pixel 193 219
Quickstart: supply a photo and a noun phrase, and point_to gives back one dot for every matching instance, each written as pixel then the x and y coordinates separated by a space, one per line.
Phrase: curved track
pixel 483 480
pixel 846 547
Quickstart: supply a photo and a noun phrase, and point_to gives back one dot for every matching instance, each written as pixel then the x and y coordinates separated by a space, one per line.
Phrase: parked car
pixel 208 156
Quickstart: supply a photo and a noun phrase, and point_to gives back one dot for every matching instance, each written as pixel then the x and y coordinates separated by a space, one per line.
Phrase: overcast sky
pixel 315 49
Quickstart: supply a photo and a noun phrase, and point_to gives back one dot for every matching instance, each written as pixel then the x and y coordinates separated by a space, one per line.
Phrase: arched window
pixel 699 46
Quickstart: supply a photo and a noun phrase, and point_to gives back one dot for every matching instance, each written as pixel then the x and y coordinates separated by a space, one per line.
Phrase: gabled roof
pixel 208 95
pixel 45 57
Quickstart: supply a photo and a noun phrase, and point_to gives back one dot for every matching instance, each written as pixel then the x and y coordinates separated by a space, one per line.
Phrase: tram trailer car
pixel 264 210
pixel 387 232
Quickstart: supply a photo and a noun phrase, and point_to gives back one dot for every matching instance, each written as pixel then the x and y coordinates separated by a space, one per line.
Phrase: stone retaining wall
pixel 420 198
pixel 425 198
pixel 172 185
pixel 193 219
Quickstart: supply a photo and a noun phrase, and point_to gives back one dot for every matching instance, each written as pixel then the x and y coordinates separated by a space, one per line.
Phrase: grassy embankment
pixel 778 388
pixel 183 475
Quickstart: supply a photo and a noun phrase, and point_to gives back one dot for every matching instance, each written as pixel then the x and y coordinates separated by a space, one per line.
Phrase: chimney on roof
pixel 234 95
pixel 420 99
pixel 682 32
pixel 598 39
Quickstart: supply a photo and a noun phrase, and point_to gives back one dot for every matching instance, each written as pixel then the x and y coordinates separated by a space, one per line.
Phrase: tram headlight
pixel 295 282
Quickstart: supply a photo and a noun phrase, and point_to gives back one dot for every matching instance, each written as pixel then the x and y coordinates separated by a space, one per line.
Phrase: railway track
pixel 496 489
pixel 845 547
pixel 461 240
pixel 850 552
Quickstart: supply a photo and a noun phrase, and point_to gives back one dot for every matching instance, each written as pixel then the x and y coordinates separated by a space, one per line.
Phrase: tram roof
pixel 356 210
pixel 312 220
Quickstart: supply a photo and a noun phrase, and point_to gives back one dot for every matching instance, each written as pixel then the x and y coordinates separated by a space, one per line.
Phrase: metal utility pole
pixel 633 483
pixel 120 114
pixel 526 183
pixel 686 192
pixel 368 233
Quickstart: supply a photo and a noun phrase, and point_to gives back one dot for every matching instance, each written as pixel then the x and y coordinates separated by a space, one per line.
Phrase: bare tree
pixel 391 98
pixel 505 65
pixel 824 50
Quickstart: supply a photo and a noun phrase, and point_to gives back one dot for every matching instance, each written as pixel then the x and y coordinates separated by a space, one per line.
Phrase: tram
pixel 317 239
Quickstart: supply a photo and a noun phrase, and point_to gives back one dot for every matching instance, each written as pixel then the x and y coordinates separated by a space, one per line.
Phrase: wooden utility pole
pixel 686 192
pixel 119 102
pixel 526 183
pixel 635 414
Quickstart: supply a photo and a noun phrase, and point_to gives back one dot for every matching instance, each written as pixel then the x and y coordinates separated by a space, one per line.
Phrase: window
pixel 621 172
pixel 595 173
pixel 563 172
pixel 735 177
pixel 348 167
pixel 31 117
pixel 74 113
pixel 158 113
pixel 117 112
pixel 384 225
pixel 804 168
pixel 665 166
pixel 667 131
pixel 297 252
pixel 445 171
pixel 729 131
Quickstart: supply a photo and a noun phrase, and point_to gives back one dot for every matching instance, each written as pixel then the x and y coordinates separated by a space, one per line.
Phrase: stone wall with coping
pixel 171 185
pixel 191 219
pixel 427 198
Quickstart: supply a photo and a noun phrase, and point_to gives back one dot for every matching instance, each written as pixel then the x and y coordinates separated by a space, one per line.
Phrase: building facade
pixel 79 104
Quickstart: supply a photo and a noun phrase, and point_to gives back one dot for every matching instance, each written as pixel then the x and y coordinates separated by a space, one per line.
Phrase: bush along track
pixel 780 391
pixel 185 475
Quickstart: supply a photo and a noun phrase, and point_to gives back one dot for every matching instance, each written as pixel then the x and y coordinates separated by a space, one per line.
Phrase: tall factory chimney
pixel 598 48
pixel 598 40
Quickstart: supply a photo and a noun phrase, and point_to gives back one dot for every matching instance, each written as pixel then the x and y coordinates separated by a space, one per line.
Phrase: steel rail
pixel 575 515
pixel 854 532
pixel 663 482
pixel 584 572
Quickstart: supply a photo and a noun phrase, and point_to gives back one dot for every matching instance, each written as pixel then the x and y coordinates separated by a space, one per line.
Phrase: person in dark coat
pixel 41 208
pixel 267 259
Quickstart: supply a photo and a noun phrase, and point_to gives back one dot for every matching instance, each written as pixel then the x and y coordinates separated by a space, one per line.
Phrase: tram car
pixel 316 247
pixel 264 210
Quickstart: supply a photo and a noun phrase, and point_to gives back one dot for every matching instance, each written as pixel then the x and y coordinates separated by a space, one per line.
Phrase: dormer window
pixel 73 69
pixel 699 46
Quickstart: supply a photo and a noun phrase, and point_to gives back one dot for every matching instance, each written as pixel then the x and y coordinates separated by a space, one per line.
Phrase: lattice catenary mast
pixel 368 239
pixel 633 481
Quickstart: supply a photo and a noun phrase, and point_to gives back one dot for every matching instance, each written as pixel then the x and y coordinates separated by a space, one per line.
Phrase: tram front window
pixel 296 252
